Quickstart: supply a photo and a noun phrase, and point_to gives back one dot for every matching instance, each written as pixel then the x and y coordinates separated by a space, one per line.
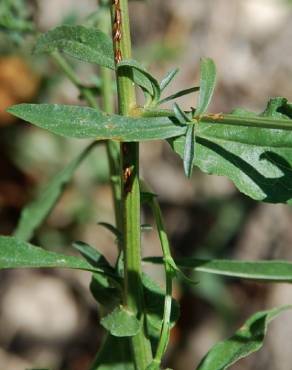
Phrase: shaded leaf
pixel 258 159
pixel 86 44
pixel 121 323
pixel 15 253
pixel 92 255
pixel 115 354
pixel 105 291
pixel 83 122
pixel 207 84
pixel 274 271
pixel 36 212
pixel 180 115
pixel 142 78
pixel 248 339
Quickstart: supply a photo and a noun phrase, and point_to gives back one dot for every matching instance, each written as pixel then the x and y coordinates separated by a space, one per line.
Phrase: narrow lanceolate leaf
pixel 121 323
pixel 189 150
pixel 83 122
pixel 142 78
pixel 86 44
pixel 92 255
pixel 36 212
pixel 254 151
pixel 272 271
pixel 15 253
pixel 180 115
pixel 179 94
pixel 168 78
pixel 207 84
pixel 248 339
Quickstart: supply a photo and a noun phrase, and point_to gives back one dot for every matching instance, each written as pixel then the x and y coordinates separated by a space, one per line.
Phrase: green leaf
pixel 142 78
pixel 248 339
pixel 114 230
pixel 179 94
pixel 153 366
pixel 168 78
pixel 86 44
pixel 254 151
pixel 92 255
pixel 273 271
pixel 207 84
pixel 180 115
pixel 190 142
pixel 14 17
pixel 121 323
pixel 83 122
pixel 36 212
pixel 106 291
pixel 15 253
pixel 115 354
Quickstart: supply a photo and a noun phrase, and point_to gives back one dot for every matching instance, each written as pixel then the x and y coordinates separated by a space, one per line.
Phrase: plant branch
pixel 169 273
pixel 133 288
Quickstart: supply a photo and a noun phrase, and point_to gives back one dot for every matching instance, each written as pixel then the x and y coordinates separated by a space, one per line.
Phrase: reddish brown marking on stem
pixel 117 30
pixel 118 56
pixel 127 177
pixel 215 116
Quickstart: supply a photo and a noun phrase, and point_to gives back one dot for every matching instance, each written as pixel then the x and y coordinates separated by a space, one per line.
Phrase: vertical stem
pixel 133 289
pixel 112 148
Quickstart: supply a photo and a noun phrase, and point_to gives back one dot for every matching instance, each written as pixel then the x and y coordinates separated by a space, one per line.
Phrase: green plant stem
pixel 133 288
pixel 112 148
pixel 227 119
pixel 169 267
pixel 165 330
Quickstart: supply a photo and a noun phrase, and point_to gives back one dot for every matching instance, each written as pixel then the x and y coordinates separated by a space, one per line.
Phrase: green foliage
pixel 248 339
pixel 121 323
pixel 14 16
pixel 36 212
pixel 254 151
pixel 207 85
pixel 86 44
pixel 143 78
pixel 270 271
pixel 168 78
pixel 15 253
pixel 115 354
pixel 85 123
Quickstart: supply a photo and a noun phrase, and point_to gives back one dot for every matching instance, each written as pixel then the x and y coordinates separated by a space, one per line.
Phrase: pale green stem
pixel 165 330
pixel 112 147
pixel 169 267
pixel 133 288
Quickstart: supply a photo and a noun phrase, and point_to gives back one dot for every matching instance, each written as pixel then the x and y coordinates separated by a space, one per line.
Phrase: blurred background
pixel 48 317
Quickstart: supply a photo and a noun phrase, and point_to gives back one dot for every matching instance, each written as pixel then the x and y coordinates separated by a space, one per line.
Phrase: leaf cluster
pixel 253 150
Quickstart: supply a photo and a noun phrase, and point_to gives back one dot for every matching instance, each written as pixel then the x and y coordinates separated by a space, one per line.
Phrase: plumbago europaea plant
pixel 253 150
